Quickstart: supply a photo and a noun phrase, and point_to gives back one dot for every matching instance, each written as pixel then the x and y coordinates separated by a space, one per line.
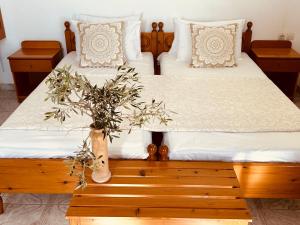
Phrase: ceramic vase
pixel 100 148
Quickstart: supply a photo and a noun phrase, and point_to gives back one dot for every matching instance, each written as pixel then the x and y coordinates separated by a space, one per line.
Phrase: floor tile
pixel 8 95
pixel 54 214
pixel 36 199
pixel 34 215
pixel 8 105
pixel 59 199
pixel 3 116
pixel 26 199
pixel 281 217
pixel 22 214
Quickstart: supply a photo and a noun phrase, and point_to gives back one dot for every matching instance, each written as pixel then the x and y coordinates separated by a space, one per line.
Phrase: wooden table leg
pixel 1 205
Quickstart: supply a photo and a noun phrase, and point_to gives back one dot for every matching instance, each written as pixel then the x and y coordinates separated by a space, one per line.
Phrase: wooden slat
pixel 94 191
pixel 169 182
pixel 35 176
pixel 158 212
pixel 272 180
pixel 192 192
pixel 271 44
pixel 151 221
pixel 169 164
pixel 158 201
pixel 40 44
pixel 279 169
pixel 134 172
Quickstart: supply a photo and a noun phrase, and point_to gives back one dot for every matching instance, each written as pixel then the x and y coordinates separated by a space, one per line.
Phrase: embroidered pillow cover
pixel 101 44
pixel 213 46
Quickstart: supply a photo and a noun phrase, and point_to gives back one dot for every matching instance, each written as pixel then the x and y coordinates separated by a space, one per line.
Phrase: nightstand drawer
pixel 31 65
pixel 279 65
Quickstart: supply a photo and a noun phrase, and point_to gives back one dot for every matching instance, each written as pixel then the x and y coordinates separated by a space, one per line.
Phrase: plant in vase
pixel 117 101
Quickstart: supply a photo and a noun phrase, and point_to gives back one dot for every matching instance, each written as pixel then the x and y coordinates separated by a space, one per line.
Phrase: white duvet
pixel 26 135
pixel 229 146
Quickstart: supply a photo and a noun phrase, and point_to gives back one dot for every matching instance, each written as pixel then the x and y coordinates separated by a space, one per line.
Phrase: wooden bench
pixel 143 192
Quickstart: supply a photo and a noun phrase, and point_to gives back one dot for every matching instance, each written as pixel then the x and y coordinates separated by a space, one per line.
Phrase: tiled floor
pixel 32 209
pixel 50 209
pixel 8 103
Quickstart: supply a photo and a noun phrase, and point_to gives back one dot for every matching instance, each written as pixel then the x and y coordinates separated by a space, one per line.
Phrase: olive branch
pixel 118 100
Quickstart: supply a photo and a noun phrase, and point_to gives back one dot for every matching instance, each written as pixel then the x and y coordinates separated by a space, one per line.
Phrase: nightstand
pixel 32 63
pixel 279 62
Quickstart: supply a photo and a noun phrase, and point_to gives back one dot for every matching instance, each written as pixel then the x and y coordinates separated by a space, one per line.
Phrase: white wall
pixel 292 23
pixel 43 19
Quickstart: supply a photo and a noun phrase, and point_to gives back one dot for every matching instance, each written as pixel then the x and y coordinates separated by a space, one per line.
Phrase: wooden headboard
pixel 148 39
pixel 156 41
pixel 165 39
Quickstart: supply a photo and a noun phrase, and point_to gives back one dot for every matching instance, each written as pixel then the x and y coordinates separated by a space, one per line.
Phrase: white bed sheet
pixel 144 65
pixel 231 147
pixel 170 66
pixel 60 144
pixel 19 141
pixel 234 147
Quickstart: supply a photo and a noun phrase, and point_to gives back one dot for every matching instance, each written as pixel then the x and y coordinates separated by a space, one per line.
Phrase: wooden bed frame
pixel 257 180
pixel 50 176
pixel 261 180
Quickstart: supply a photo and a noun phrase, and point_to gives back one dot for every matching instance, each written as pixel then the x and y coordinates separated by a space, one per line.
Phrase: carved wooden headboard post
pixel 149 40
pixel 160 38
pixel 247 38
pixel 154 40
pixel 70 38
pixel 164 39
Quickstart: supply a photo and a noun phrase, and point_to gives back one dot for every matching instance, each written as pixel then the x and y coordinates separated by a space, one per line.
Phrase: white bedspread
pixel 208 103
pixel 228 146
pixel 214 103
pixel 26 135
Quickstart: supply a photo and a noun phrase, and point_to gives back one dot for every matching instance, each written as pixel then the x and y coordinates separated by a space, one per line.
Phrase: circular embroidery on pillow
pixel 213 46
pixel 101 45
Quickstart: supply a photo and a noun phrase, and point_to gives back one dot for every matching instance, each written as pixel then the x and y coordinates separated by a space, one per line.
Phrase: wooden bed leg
pixel 1 206
pixel 163 153
pixel 152 150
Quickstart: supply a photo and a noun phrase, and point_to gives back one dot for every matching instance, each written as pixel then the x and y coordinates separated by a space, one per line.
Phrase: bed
pixel 32 152
pixel 267 163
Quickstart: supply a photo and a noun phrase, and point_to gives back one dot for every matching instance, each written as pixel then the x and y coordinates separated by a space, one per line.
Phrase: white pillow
pixel 174 48
pixel 132 32
pixel 184 37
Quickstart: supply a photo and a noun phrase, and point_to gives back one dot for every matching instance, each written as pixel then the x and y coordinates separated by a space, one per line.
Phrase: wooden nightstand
pixel 32 63
pixel 279 62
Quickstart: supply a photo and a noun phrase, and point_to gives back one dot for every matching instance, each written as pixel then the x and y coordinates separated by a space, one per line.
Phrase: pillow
pixel 183 37
pixel 213 46
pixel 101 44
pixel 132 32
pixel 174 47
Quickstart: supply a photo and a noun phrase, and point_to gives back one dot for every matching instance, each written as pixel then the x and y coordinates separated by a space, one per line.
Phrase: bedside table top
pixel 37 50
pixel 282 53
pixel 35 54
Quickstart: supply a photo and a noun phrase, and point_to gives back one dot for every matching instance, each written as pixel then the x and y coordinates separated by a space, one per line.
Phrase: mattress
pixel 21 137
pixel 226 146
